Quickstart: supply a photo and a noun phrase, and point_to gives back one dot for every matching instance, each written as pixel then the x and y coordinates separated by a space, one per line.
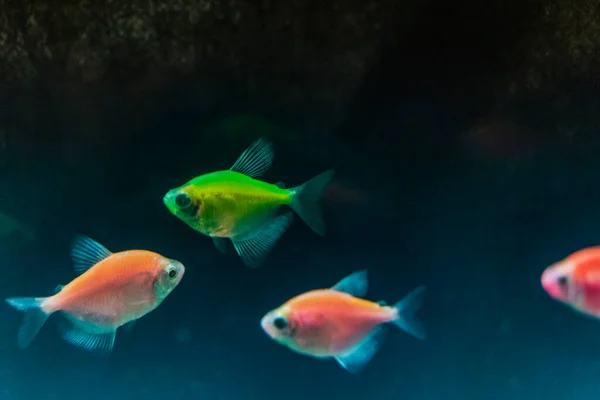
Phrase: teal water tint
pixel 477 235
pixel 457 169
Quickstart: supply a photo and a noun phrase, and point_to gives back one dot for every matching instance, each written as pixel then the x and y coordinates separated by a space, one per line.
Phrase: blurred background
pixel 465 138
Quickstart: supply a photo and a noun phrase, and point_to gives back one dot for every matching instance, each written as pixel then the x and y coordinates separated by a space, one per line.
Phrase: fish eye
pixel 280 323
pixel 172 273
pixel 563 281
pixel 183 200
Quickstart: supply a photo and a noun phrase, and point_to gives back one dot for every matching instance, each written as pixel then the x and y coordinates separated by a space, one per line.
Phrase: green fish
pixel 232 204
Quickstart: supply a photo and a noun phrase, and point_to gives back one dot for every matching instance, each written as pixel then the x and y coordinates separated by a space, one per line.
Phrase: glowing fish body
pixel 336 323
pixel 111 291
pixel 575 281
pixel 232 204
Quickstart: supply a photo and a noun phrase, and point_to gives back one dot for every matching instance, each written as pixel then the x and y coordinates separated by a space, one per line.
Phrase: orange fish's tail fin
pixel 34 318
pixel 305 200
pixel 406 309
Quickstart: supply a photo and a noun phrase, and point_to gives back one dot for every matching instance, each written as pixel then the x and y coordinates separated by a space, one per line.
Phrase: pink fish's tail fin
pixel 306 198
pixel 34 318
pixel 406 310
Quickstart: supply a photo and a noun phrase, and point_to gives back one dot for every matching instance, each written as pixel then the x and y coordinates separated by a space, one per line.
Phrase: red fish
pixel 575 281
pixel 112 290
pixel 336 323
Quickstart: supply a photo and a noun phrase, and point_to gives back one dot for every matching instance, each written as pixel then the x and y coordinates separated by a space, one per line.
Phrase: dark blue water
pixel 477 231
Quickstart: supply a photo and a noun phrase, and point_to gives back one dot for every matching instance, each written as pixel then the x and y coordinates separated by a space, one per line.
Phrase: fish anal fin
pixel 355 359
pixel 254 249
pixel 100 342
pixel 255 160
pixel 86 253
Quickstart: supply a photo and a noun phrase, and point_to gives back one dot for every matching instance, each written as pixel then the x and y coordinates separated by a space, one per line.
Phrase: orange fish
pixel 336 323
pixel 575 281
pixel 112 290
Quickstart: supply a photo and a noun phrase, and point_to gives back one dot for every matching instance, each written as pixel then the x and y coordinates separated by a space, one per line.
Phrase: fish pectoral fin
pixel 280 185
pixel 359 356
pixel 355 284
pixel 86 252
pixel 58 288
pixel 254 249
pixel 76 336
pixel 220 244
pixel 128 327
pixel 255 160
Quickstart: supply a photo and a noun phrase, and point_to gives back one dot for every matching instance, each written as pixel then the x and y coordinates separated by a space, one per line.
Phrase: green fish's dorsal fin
pixel 280 185
pixel 255 160
pixel 355 284
pixel 254 249
pixel 220 244
pixel 86 253
pixel 58 288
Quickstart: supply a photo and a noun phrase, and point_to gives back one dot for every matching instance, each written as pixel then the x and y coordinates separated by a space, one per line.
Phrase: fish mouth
pixel 168 196
pixel 267 326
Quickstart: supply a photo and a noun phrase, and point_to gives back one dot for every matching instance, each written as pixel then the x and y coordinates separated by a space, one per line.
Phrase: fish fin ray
pixel 306 198
pixel 101 342
pixel 359 356
pixel 255 248
pixel 220 244
pixel 86 252
pixel 355 284
pixel 256 159
pixel 407 307
pixel 33 319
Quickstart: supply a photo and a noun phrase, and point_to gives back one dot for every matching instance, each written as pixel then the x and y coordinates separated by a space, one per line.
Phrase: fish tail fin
pixel 34 318
pixel 406 310
pixel 305 200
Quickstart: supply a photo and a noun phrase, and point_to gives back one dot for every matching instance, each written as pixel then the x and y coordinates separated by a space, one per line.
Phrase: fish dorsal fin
pixel 355 284
pixel 86 253
pixel 255 160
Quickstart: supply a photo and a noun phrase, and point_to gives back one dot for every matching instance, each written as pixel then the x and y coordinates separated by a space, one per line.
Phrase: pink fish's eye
pixel 280 323
pixel 562 280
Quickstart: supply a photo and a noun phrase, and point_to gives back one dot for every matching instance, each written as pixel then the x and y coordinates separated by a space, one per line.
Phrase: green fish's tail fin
pixel 305 201
pixel 406 308
pixel 33 320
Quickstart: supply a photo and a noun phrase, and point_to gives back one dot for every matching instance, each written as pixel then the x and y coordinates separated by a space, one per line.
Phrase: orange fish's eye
pixel 183 200
pixel 280 323
pixel 172 273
